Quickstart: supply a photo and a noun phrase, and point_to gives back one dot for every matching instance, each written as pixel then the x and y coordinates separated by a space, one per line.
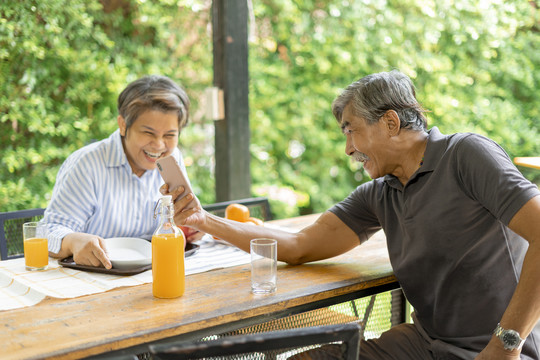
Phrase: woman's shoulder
pixel 93 154
pixel 86 153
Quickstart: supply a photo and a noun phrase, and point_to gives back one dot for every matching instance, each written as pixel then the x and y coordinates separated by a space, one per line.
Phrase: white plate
pixel 127 253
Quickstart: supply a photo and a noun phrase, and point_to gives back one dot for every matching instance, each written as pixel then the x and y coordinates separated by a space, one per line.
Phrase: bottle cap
pixel 166 200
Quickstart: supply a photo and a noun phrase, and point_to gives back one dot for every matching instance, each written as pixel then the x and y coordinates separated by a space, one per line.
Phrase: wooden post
pixel 230 36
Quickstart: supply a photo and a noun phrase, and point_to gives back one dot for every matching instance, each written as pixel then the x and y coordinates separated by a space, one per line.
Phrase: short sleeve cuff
pixel 518 202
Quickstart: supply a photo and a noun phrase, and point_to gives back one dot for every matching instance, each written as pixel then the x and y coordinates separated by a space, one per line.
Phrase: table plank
pixel 531 162
pixel 131 316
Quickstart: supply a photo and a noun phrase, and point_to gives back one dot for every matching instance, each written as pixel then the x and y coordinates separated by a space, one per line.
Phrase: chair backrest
pixel 267 345
pixel 259 207
pixel 11 238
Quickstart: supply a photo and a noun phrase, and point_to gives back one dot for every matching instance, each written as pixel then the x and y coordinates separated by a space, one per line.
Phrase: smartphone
pixel 173 176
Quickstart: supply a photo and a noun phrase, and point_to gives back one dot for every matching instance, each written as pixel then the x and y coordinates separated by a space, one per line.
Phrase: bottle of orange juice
pixel 168 244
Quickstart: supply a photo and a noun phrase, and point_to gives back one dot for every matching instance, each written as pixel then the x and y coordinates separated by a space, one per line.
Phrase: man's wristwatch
pixel 509 338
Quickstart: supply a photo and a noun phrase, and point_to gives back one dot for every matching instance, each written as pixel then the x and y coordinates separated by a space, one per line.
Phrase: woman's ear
pixel 391 122
pixel 121 125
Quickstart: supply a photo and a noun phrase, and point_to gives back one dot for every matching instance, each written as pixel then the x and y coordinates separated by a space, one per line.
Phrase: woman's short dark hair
pixel 373 95
pixel 153 92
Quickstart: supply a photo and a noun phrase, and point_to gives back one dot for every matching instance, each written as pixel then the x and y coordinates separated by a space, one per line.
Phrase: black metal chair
pixel 11 238
pixel 259 207
pixel 287 343
pixel 114 357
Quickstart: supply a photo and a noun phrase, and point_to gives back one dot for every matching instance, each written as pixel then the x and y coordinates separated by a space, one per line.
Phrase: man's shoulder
pixel 458 137
pixel 469 139
pixel 472 145
pixel 465 146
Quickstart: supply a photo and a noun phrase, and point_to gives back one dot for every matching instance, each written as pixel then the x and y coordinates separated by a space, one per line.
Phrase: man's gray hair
pixel 373 95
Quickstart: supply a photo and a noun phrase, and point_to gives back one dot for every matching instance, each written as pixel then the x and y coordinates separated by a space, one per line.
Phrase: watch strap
pixel 504 335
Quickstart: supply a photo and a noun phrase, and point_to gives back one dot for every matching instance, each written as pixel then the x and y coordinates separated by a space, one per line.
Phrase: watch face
pixel 510 338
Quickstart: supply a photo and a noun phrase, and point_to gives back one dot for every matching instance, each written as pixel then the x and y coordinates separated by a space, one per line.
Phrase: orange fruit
pixel 255 221
pixel 237 212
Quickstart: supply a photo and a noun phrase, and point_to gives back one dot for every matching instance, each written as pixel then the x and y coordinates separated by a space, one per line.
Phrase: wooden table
pixel 531 162
pixel 125 319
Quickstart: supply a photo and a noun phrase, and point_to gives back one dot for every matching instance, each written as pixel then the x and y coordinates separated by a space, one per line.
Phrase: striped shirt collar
pixel 115 151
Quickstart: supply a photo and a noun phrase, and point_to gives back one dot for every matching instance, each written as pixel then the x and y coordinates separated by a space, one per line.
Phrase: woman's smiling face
pixel 153 135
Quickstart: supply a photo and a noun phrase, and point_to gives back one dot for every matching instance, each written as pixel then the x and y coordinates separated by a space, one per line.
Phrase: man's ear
pixel 391 122
pixel 121 125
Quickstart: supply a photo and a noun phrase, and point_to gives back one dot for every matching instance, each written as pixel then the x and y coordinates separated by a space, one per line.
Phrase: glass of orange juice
pixel 36 253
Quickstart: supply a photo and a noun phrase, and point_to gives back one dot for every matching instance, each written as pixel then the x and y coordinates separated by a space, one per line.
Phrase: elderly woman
pixel 109 188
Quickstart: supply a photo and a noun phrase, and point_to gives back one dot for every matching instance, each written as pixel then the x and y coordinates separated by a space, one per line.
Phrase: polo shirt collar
pixel 435 148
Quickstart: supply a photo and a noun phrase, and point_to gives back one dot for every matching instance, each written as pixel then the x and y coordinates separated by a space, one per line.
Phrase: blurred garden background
pixel 475 64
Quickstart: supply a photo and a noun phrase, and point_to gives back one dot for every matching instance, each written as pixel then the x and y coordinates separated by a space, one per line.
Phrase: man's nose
pixel 349 147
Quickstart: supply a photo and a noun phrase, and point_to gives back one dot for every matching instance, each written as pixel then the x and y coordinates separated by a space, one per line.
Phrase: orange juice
pixel 36 254
pixel 168 266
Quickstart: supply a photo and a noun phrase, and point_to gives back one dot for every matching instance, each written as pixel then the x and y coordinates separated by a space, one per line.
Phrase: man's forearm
pixel 523 311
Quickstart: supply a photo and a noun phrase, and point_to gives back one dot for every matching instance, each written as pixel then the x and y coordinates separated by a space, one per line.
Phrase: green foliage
pixel 63 63
pixel 475 65
pixel 49 96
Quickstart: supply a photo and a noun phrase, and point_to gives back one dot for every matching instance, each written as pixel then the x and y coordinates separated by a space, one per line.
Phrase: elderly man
pixel 461 222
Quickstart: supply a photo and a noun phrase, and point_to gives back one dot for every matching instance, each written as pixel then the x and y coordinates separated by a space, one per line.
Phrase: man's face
pixel 365 143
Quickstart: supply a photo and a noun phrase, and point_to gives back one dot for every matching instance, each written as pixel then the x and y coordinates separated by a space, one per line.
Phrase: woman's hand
pixel 87 249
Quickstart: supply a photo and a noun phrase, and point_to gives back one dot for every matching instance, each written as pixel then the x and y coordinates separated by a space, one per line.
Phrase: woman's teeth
pixel 153 155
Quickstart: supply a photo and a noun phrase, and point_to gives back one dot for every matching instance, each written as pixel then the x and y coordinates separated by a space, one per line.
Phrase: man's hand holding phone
pixel 174 178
